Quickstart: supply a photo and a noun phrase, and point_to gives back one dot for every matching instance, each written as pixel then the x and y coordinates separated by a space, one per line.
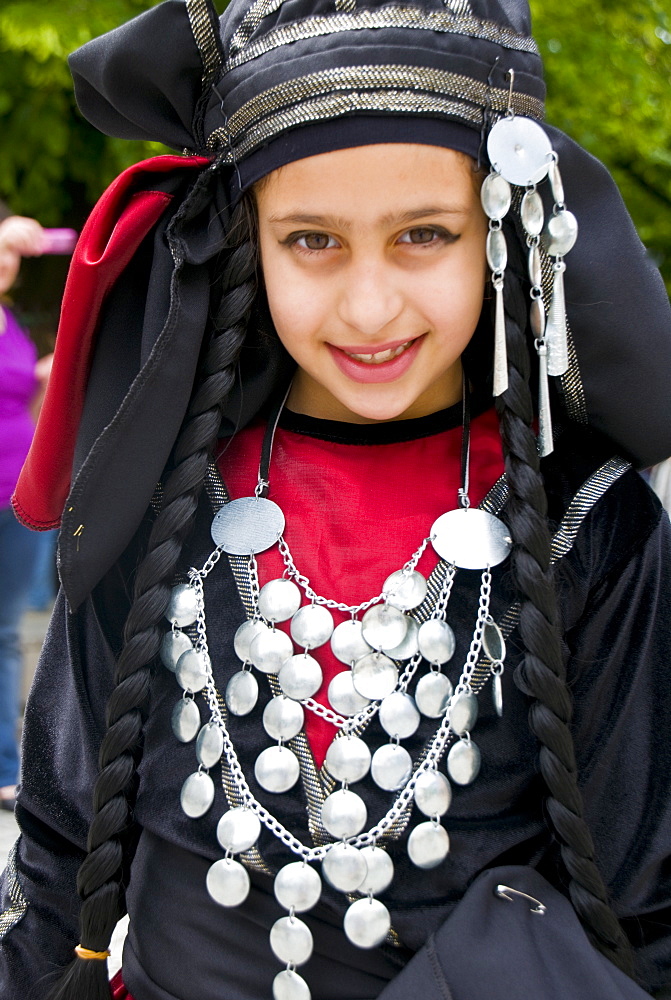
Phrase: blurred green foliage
pixel 53 164
pixel 608 67
pixel 608 72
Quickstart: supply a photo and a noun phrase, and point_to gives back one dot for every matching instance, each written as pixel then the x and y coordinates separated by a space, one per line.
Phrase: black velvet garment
pixel 614 582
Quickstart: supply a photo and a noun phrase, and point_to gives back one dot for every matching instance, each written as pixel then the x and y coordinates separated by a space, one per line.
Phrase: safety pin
pixel 502 892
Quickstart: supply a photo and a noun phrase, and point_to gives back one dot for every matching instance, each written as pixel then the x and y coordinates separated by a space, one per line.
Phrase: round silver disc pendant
pixel 379 870
pixel 410 645
pixel 399 716
pixel 242 692
pixel 269 650
pixel 374 676
pixel 463 762
pixel 432 694
pixel 344 868
pixel 561 233
pixel 384 626
pixel 238 829
pixel 367 923
pixel 436 641
pixel 245 636
pixel 343 696
pixel 298 886
pixel 191 671
pixel 470 539
pixel 520 150
pixel 344 814
pixel 347 642
pixel 496 250
pixel 197 794
pixel 183 606
pixel 496 196
pixel 291 940
pixel 348 759
pixel 283 718
pixel 277 769
pixel 279 600
pixel 300 676
pixel 288 985
pixel 185 720
pixel 248 525
pixel 404 590
pixel 463 713
pixel 433 793
pixel 391 767
pixel 532 213
pixel 312 626
pixel 428 845
pixel 172 647
pixel 227 882
pixel 209 745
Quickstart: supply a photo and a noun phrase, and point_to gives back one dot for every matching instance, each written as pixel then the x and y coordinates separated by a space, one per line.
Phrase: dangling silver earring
pixel 521 153
pixel 496 197
pixel 559 238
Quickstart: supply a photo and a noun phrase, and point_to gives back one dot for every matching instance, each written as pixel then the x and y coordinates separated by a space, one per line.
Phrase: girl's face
pixel 374 265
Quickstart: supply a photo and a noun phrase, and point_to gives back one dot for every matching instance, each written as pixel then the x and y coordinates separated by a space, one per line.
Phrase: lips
pixel 389 362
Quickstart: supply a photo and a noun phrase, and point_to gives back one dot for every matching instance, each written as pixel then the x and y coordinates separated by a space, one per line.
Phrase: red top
pixel 356 512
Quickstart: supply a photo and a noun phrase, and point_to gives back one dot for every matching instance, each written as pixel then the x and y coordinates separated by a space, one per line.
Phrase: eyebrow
pixel 304 219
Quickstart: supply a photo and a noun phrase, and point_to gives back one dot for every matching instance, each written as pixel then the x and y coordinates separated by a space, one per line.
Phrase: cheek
pixel 456 298
pixel 297 306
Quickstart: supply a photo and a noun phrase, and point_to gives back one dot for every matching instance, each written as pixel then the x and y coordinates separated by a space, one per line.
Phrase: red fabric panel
pixel 113 232
pixel 117 989
pixel 356 513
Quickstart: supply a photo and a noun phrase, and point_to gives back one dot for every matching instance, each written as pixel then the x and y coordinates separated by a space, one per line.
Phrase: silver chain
pixel 255 589
pixel 404 798
pixel 293 573
pixel 473 655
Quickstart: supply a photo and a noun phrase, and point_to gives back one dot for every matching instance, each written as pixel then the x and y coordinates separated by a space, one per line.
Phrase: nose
pixel 371 297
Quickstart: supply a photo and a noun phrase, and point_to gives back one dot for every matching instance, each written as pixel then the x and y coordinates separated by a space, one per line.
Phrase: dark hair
pixel 99 881
pixel 540 676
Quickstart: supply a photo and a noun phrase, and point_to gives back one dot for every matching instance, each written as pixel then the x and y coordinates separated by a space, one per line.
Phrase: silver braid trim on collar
pixel 391 89
pixel 242 50
pixel 18 904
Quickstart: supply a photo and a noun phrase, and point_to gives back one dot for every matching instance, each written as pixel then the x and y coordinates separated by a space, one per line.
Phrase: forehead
pixel 368 180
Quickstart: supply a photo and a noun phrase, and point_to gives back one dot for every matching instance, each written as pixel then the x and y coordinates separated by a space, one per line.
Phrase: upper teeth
pixel 377 359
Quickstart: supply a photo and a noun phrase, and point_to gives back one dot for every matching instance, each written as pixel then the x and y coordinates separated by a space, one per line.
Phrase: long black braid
pixel 99 880
pixel 541 674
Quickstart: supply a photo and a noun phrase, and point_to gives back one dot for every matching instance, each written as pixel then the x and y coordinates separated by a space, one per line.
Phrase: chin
pixel 380 409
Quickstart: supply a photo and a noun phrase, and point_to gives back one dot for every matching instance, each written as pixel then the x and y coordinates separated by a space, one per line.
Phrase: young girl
pixel 370 695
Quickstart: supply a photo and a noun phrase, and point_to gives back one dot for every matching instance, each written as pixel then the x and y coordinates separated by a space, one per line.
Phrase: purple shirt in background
pixel 18 385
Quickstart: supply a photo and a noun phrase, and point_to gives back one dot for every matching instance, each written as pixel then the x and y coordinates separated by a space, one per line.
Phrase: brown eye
pixel 421 235
pixel 315 241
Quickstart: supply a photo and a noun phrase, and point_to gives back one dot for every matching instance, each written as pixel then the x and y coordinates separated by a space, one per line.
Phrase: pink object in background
pixel 59 241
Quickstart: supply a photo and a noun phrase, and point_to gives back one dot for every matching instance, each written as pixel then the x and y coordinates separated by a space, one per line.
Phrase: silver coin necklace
pixel 384 648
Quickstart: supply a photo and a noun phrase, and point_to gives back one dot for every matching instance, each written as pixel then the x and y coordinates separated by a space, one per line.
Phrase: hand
pixel 22 236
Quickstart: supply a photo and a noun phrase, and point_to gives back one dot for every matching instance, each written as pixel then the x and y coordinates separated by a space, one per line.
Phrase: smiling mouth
pixel 381 356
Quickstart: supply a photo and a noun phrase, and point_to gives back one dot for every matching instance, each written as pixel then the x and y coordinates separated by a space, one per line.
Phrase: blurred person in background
pixel 21 391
